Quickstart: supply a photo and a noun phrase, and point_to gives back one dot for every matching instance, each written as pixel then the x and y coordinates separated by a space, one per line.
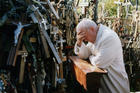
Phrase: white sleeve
pixel 83 51
pixel 106 54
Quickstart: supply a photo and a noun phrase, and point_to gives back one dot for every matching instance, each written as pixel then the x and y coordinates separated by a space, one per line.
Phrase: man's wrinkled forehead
pixel 82 29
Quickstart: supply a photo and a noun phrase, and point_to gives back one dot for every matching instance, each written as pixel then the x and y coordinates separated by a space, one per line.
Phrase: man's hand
pixel 80 37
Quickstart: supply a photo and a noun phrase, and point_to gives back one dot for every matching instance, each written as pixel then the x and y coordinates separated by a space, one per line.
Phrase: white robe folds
pixel 107 53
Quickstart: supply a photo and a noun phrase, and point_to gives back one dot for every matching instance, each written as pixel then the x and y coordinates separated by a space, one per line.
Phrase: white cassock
pixel 107 53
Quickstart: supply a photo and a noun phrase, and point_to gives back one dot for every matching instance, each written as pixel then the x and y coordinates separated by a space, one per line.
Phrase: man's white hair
pixel 86 23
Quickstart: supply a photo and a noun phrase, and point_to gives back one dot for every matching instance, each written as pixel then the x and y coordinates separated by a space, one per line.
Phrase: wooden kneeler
pixel 86 74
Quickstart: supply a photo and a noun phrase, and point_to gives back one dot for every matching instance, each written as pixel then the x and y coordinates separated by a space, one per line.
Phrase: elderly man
pixel 104 50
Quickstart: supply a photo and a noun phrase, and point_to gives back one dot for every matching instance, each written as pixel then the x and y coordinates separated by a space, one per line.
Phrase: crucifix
pixel 18 31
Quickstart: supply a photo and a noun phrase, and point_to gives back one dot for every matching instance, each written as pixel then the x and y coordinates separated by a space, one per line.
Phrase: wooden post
pixel 22 64
pixel 17 49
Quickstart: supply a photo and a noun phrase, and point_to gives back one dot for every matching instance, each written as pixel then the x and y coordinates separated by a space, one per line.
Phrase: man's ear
pixel 92 28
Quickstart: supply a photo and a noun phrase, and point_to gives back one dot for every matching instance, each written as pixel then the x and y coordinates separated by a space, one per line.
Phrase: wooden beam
pixel 86 74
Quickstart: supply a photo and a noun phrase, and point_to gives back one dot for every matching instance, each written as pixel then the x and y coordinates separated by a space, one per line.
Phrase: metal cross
pixel 61 41
pixel 44 21
pixel 24 56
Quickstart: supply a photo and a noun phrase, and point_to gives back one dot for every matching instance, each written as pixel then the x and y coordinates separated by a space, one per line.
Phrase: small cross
pixel 61 41
pixel 24 56
pixel 48 84
pixel 131 65
pixel 44 21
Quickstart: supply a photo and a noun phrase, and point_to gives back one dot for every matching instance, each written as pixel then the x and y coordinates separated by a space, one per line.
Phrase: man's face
pixel 83 32
pixel 89 35
pixel 86 37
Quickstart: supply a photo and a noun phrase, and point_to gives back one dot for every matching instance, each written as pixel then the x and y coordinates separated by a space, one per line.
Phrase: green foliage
pixel 110 7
